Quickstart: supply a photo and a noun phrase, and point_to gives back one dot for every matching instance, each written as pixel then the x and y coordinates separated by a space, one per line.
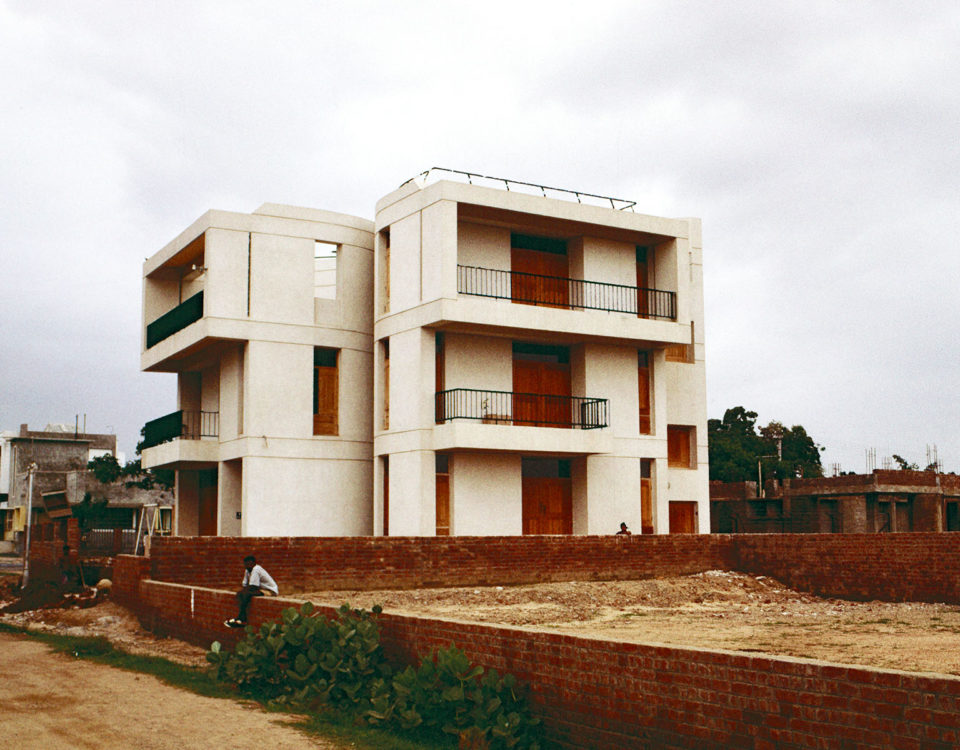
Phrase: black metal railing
pixel 574 294
pixel 188 425
pixel 530 188
pixel 187 312
pixel 522 409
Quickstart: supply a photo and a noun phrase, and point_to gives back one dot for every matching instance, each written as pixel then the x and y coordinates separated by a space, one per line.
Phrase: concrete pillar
pixel 928 512
pixel 853 514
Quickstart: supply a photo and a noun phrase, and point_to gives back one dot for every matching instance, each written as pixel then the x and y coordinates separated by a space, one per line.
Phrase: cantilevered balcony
pixel 186 425
pixel 177 319
pixel 572 294
pixel 521 409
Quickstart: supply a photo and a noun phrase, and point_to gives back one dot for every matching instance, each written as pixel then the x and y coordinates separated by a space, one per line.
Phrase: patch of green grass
pixel 199 680
pixel 102 651
pixel 334 725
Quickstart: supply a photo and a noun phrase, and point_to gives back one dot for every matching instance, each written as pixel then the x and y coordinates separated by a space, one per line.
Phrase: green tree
pixel 734 445
pixel 904 465
pixel 736 448
pixel 105 468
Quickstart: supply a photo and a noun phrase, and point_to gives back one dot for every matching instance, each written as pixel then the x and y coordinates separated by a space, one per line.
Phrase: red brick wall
pixel 596 693
pixel 593 693
pixel 309 563
pixel 921 567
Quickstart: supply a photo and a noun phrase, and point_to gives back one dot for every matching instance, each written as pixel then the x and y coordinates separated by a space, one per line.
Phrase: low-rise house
pixel 883 501
pixel 477 360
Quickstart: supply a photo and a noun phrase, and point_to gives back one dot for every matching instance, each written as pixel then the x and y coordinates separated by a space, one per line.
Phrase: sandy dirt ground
pixel 715 609
pixel 53 701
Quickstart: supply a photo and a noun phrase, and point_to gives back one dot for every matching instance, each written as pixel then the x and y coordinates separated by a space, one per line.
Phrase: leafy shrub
pixel 448 695
pixel 306 660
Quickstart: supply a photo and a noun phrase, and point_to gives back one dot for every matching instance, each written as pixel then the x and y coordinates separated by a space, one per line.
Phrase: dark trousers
pixel 244 596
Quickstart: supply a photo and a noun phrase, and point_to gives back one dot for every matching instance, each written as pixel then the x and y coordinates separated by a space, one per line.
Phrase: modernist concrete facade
pixel 241 307
pixel 502 363
pixel 533 356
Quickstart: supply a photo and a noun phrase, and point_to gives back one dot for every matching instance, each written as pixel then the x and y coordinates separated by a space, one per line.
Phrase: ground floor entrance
pixel 547 494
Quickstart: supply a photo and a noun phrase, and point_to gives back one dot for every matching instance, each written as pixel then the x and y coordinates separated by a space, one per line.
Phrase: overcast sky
pixel 818 141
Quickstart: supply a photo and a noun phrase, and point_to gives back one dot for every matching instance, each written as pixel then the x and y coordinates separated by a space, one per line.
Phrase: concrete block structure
pixel 879 502
pixel 266 319
pixel 59 451
pixel 538 366
pixel 479 360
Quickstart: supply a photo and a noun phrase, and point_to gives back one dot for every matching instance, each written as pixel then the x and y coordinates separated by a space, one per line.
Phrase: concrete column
pixel 928 512
pixel 853 514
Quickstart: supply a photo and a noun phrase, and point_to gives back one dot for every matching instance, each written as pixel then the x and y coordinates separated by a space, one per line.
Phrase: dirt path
pixel 50 701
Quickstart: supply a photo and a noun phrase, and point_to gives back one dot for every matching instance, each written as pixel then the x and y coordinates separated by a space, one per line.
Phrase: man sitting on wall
pixel 256 581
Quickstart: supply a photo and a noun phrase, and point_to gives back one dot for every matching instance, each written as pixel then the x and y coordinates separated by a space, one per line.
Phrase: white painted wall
pixel 281 279
pixel 291 496
pixel 405 263
pixel 483 246
pixel 225 280
pixel 609 261
pixel 413 493
pixel 481 362
pixel 485 494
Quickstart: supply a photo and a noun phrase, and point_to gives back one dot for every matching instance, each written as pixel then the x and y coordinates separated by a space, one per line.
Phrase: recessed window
pixel 326 397
pixel 681 447
pixel 325 270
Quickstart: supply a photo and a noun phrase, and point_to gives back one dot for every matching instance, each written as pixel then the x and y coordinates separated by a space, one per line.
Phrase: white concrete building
pixel 266 318
pixel 539 364
pixel 484 361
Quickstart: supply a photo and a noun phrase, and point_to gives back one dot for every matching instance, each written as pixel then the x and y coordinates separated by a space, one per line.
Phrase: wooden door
pixel 683 517
pixel 646 506
pixel 539 278
pixel 547 505
pixel 386 495
pixel 643 388
pixel 541 393
pixel 207 510
pixel 443 504
pixel 326 391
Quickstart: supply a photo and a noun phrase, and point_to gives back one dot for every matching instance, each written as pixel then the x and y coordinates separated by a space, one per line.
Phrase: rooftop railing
pixel 188 425
pixel 529 188
pixel 573 294
pixel 522 409
pixel 187 312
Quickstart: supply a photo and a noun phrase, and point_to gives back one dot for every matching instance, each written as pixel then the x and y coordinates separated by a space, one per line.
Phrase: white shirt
pixel 259 577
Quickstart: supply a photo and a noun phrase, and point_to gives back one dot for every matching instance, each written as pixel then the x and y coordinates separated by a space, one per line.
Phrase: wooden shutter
pixel 443 504
pixel 326 393
pixel 643 388
pixel 678 447
pixel 539 278
pixel 683 517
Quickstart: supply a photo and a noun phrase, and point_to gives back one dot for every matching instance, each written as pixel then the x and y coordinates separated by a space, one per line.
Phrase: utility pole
pixel 760 474
pixel 32 469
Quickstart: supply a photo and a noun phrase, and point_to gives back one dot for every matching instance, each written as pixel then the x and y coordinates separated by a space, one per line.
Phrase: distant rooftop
pixel 434 174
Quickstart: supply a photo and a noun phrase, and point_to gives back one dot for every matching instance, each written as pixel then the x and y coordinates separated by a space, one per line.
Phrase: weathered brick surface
pixel 921 567
pixel 593 693
pixel 312 563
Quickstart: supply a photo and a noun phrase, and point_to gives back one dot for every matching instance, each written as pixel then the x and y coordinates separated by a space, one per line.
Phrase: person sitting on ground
pixel 624 529
pixel 256 581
